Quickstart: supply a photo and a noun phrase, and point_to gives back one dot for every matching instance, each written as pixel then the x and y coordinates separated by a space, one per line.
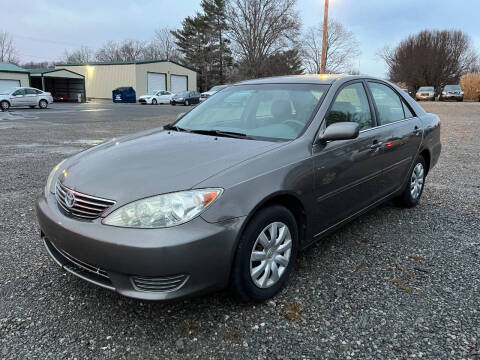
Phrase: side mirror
pixel 180 115
pixel 339 131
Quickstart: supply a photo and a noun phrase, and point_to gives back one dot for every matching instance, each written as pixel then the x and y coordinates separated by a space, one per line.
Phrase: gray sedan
pixel 24 96
pixel 229 193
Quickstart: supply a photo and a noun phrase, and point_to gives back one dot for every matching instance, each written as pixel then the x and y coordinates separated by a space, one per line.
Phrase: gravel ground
pixel 392 284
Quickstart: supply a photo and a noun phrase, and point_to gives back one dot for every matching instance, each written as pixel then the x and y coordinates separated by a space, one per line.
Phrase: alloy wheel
pixel 270 255
pixel 416 181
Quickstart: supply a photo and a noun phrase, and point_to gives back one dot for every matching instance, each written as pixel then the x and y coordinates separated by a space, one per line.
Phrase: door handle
pixel 376 144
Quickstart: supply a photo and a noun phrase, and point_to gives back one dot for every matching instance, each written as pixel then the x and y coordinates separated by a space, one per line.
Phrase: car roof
pixel 303 79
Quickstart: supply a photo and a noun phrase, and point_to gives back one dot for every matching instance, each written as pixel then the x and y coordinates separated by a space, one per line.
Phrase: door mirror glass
pixel 339 131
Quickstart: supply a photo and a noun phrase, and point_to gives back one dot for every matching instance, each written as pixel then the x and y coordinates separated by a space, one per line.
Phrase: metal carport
pixel 62 83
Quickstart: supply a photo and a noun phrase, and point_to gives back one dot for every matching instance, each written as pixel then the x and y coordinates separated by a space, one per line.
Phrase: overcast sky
pixel 42 30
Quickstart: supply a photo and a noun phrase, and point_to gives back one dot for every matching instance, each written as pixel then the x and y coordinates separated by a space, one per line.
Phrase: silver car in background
pixel 24 96
pixel 425 93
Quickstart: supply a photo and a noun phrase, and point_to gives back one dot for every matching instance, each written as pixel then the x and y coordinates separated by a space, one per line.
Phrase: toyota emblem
pixel 70 199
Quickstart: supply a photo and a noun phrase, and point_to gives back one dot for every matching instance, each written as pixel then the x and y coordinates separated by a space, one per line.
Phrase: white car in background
pixel 24 96
pixel 155 97
pixel 205 95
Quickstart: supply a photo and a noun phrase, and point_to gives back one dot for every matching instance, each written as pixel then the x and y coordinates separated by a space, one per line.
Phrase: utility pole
pixel 324 41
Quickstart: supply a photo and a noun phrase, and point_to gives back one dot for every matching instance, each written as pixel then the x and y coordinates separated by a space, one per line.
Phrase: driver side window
pixel 351 105
pixel 19 92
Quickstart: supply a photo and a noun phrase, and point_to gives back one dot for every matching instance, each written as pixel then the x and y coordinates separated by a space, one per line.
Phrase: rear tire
pixel 43 104
pixel 4 105
pixel 413 190
pixel 265 256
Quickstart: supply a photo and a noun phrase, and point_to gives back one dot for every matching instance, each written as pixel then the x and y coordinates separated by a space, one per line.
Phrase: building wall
pixel 24 79
pixel 163 68
pixel 101 80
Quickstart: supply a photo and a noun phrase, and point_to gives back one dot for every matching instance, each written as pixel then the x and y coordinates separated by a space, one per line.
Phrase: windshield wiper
pixel 175 128
pixel 222 133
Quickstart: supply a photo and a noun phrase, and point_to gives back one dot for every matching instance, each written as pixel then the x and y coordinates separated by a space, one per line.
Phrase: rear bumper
pixel 451 97
pixel 152 264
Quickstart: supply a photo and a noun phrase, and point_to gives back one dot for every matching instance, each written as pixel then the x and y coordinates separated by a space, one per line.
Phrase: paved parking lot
pixel 394 283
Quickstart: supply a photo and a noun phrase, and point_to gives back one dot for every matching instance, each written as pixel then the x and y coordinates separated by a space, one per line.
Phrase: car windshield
pixel 426 88
pixel 6 92
pixel 182 93
pixel 218 88
pixel 152 92
pixel 273 111
pixel 453 87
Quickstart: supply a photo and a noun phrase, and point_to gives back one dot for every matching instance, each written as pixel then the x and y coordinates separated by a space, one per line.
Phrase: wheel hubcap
pixel 416 181
pixel 270 255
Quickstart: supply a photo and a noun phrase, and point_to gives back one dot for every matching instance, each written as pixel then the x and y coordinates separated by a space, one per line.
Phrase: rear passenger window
pixel 389 105
pixel 351 105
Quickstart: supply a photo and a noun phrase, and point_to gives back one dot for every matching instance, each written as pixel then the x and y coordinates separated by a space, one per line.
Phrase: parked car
pixel 186 98
pixel 451 92
pixel 236 190
pixel 205 95
pixel 425 93
pixel 24 96
pixel 156 97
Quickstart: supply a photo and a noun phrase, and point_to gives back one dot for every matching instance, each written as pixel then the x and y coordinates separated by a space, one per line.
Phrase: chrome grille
pixel 84 206
pixel 159 284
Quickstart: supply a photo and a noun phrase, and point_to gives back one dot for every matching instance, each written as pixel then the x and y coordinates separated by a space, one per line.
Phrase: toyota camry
pixel 228 194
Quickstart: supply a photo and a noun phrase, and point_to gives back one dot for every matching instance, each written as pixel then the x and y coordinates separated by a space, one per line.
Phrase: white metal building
pixel 102 78
pixel 13 76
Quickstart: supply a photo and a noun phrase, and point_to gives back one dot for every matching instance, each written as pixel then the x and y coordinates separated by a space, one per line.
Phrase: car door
pixel 164 97
pixel 31 97
pixel 18 98
pixel 346 171
pixel 401 135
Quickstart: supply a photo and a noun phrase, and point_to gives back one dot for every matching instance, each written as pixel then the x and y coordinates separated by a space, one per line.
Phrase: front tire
pixel 187 103
pixel 265 254
pixel 43 104
pixel 4 105
pixel 413 190
pixel 154 102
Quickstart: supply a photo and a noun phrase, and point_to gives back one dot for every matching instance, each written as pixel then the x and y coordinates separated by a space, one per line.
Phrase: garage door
pixel 178 83
pixel 156 81
pixel 8 84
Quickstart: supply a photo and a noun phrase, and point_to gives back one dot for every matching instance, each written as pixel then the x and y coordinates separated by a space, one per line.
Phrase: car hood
pixel 155 162
pixel 146 96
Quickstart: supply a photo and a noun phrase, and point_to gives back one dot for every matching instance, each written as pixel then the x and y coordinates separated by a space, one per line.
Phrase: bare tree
pixel 125 51
pixel 431 57
pixel 84 54
pixel 8 52
pixel 342 48
pixel 260 28
pixel 162 46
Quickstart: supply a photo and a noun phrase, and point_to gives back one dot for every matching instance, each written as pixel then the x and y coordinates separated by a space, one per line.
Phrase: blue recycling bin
pixel 125 94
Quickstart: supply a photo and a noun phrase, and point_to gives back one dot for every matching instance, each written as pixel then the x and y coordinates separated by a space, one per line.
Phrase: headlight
pixel 48 186
pixel 444 93
pixel 179 99
pixel 163 210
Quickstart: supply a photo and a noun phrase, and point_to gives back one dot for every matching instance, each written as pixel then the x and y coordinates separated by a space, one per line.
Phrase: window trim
pixel 402 100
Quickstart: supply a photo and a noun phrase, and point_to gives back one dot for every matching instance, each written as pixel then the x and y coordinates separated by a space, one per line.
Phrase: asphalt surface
pixel 393 284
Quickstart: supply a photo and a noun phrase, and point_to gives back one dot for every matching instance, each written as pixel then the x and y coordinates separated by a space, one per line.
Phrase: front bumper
pixel 145 101
pixel 152 264
pixel 451 97
pixel 424 97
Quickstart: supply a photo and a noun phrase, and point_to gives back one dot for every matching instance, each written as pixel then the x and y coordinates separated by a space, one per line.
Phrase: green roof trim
pixel 7 67
pixel 50 70
pixel 126 63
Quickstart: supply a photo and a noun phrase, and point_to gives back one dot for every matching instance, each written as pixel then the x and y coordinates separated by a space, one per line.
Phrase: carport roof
pixel 6 67
pixel 41 72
